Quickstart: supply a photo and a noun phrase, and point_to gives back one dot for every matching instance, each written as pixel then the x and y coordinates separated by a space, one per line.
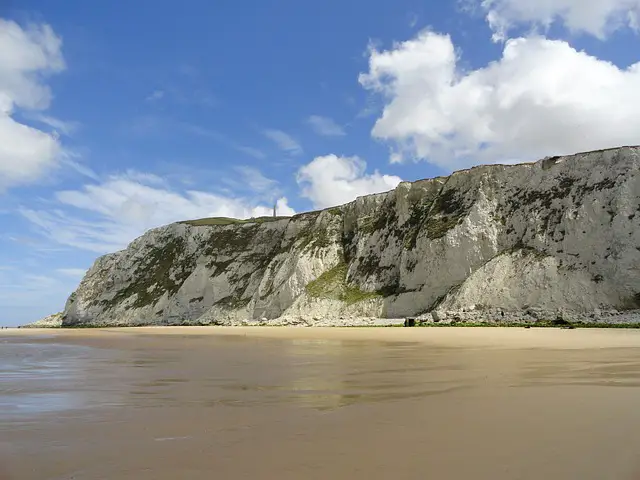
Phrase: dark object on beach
pixel 560 322
pixel 567 327
pixel 527 326
pixel 409 322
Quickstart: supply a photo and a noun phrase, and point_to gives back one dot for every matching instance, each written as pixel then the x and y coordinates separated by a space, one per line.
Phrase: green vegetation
pixel 232 302
pixel 154 272
pixel 537 324
pixel 366 225
pixel 230 241
pixel 383 217
pixel 90 325
pixel 605 325
pixel 446 212
pixel 220 266
pixel 437 227
pixel 333 284
pixel 551 213
pixel 314 235
pixel 353 295
pixel 437 214
pixel 229 221
pixel 418 325
pixel 419 214
pixel 321 239
pixel 369 266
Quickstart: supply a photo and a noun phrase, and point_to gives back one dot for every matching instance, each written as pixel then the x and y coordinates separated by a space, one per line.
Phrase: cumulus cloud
pixel 27 56
pixel 541 98
pixel 331 180
pixel 284 141
pixel 106 216
pixel 594 17
pixel 325 126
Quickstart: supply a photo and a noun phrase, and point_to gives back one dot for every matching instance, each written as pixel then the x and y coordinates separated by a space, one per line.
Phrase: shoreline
pixel 494 337
pixel 490 318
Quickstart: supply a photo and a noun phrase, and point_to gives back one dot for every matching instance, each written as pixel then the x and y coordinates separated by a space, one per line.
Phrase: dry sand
pixel 497 337
pixel 314 403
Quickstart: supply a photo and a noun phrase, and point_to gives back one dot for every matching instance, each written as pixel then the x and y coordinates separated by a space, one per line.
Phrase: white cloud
pixel 541 98
pixel 282 209
pixel 284 141
pixel 26 57
pixel 252 152
pixel 595 17
pixel 413 20
pixel 256 181
pixel 59 126
pixel 331 180
pixel 135 176
pixel 106 216
pixel 77 273
pixel 325 126
pixel 82 169
pixel 25 297
pixel 30 282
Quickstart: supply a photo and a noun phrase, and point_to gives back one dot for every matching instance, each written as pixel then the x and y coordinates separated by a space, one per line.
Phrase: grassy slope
pixel 229 221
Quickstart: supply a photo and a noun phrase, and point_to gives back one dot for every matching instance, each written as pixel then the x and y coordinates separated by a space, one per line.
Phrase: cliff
pixel 493 242
pixel 50 321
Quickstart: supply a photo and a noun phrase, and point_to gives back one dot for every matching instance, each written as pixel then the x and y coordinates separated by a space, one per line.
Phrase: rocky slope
pixel 51 321
pixel 493 242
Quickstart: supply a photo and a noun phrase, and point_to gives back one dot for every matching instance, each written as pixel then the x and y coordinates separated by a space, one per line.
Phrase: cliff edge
pixel 517 241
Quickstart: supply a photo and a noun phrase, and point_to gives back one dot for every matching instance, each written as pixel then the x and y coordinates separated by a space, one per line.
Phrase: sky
pixel 117 117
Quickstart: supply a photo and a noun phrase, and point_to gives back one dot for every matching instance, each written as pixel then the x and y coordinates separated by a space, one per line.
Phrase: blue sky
pixel 116 117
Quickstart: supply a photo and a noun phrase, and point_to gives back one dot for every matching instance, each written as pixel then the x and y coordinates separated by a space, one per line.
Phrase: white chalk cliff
pixel 516 241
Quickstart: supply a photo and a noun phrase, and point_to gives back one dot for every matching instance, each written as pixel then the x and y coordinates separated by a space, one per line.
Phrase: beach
pixel 312 403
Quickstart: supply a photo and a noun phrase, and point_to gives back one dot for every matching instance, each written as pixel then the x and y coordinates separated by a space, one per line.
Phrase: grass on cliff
pixel 424 325
pixel 229 221
pixel 538 324
pixel 332 284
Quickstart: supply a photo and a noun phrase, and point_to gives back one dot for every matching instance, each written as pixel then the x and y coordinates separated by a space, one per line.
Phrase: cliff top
pixel 546 162
pixel 229 221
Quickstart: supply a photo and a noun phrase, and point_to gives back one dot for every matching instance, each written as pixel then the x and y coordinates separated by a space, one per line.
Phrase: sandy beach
pixel 496 337
pixel 344 403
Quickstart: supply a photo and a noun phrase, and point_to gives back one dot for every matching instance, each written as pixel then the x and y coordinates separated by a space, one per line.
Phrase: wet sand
pixel 293 403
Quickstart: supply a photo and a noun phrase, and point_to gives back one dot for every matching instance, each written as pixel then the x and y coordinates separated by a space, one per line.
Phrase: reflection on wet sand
pixel 327 374
pixel 320 374
pixel 186 406
pixel 594 371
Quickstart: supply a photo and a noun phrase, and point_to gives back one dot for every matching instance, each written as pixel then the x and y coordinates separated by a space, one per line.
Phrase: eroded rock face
pixel 51 321
pixel 559 234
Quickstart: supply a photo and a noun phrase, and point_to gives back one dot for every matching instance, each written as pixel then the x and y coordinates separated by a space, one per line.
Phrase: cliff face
pixel 559 234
